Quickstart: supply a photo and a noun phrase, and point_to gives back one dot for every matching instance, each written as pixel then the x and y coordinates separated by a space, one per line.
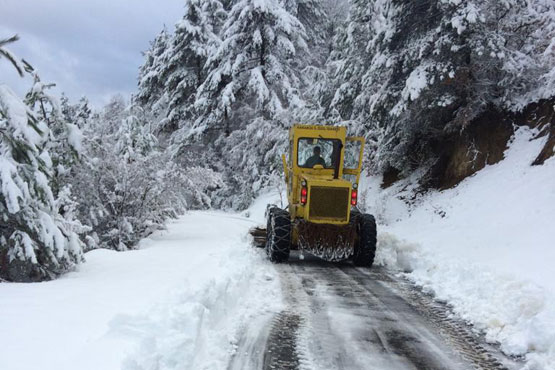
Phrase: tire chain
pixel 279 236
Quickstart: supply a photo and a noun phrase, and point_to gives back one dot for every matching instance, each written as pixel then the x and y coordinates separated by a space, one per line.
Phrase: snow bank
pixel 257 210
pixel 177 302
pixel 197 327
pixel 485 247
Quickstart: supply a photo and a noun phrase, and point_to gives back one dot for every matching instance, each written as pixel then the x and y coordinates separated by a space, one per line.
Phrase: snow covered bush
pixel 37 241
pixel 126 186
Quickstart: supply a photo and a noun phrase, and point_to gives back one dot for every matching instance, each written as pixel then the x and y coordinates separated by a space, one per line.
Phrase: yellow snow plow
pixel 322 172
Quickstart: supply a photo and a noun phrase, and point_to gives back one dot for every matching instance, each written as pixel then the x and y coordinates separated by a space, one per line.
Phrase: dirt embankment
pixel 483 142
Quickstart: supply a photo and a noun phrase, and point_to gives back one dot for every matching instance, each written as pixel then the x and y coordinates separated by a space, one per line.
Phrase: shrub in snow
pixel 126 186
pixel 36 241
pixel 201 184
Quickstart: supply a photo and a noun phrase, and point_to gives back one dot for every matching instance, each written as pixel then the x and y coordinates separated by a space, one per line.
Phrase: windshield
pixel 312 151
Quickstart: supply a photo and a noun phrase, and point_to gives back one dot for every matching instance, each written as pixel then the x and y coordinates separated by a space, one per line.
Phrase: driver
pixel 315 159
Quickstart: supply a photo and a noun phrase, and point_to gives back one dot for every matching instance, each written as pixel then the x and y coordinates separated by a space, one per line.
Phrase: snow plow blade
pixel 258 236
pixel 329 242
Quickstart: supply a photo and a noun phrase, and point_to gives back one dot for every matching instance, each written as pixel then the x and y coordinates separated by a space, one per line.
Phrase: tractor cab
pixel 322 171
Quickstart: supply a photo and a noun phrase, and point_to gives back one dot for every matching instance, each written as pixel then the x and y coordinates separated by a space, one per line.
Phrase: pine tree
pixel 151 86
pixel 312 15
pixel 193 41
pixel 64 141
pixel 251 94
pixel 174 65
pixel 252 73
pixel 112 114
pixel 36 242
pixel 67 109
pixel 350 60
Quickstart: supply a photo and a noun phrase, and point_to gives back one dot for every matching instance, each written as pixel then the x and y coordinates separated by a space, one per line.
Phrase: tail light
pixel 354 197
pixel 304 193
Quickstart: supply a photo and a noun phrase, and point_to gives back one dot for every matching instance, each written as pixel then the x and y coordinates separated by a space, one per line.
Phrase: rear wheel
pixel 365 248
pixel 278 237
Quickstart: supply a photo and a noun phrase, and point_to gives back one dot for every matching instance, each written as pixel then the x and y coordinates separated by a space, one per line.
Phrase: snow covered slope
pixel 486 246
pixel 166 305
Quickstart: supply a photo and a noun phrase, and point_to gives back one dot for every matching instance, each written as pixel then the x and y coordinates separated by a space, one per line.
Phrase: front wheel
pixel 278 237
pixel 365 247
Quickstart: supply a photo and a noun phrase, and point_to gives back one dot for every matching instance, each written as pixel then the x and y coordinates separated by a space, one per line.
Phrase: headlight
pixel 355 186
pixel 303 182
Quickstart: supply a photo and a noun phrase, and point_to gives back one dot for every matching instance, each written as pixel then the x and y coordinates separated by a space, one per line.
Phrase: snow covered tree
pixel 64 141
pixel 252 82
pixel 83 112
pixel 322 21
pixel 349 60
pixel 174 66
pixel 127 184
pixel 151 87
pixel 66 108
pixel 312 15
pixel 251 74
pixel 409 74
pixel 519 50
pixel 134 137
pixel 194 40
pixel 36 242
pixel 112 114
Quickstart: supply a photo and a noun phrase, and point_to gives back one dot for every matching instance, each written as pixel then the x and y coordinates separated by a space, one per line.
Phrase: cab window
pixel 352 155
pixel 313 151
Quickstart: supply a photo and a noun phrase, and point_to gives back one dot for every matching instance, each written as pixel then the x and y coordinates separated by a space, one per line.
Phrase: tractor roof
pixel 328 132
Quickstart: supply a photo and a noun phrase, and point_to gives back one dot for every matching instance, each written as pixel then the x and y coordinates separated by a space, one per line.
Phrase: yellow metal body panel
pixel 319 177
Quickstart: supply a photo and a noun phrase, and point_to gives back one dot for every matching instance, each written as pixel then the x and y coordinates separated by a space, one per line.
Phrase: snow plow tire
pixel 278 235
pixel 365 247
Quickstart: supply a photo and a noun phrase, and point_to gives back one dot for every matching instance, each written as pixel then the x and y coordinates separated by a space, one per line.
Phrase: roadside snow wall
pixel 486 246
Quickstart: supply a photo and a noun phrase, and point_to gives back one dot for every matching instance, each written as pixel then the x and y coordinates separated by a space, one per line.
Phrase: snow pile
pixel 177 302
pixel 197 328
pixel 485 247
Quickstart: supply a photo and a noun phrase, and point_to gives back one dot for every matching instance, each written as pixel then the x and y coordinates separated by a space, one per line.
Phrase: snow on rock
pixel 485 247
pixel 178 302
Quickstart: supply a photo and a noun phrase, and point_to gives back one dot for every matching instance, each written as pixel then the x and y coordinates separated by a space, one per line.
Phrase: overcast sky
pixel 87 47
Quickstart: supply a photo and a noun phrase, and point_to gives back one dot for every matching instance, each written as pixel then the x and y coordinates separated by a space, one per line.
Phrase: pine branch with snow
pixel 36 242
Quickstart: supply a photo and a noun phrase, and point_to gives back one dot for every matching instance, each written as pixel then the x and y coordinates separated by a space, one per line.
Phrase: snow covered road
pixel 341 317
pixel 198 296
